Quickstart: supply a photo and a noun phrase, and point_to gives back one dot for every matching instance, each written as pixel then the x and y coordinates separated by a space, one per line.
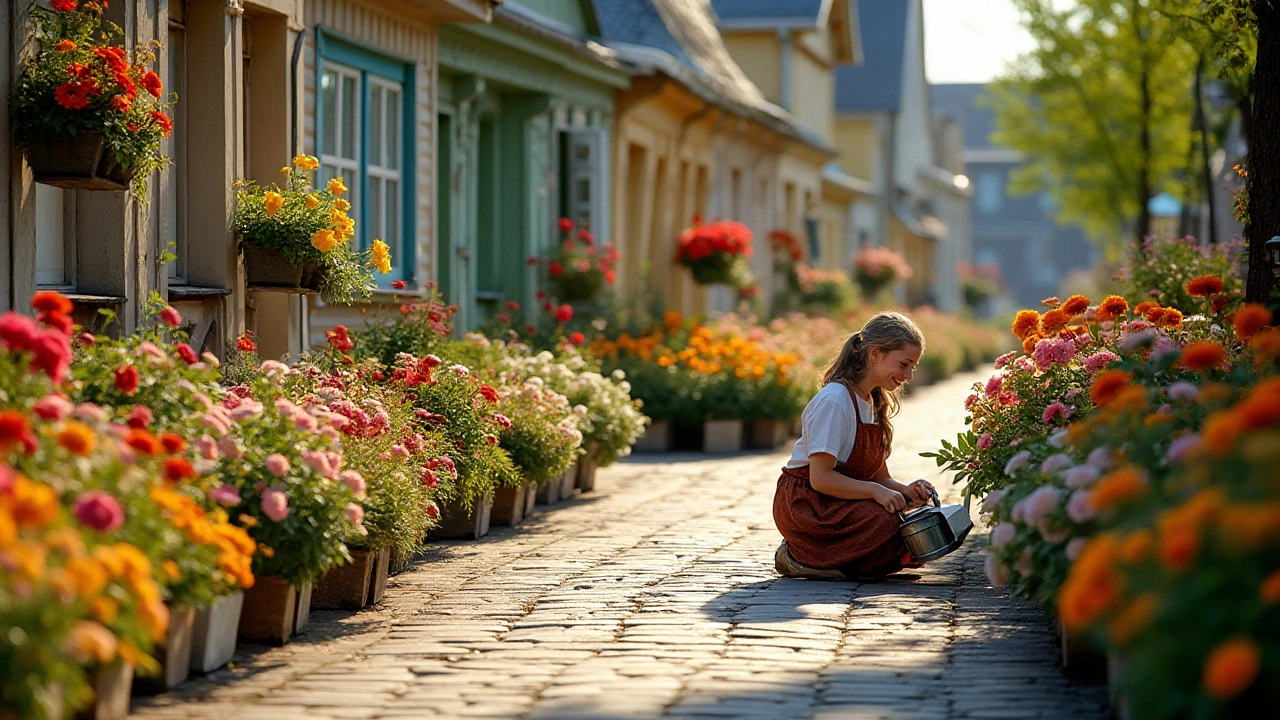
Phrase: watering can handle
pixel 933 495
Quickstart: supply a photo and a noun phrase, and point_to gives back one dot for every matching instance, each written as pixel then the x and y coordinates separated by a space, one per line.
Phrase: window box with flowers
pixel 88 114
pixel 579 270
pixel 716 252
pixel 877 268
pixel 298 238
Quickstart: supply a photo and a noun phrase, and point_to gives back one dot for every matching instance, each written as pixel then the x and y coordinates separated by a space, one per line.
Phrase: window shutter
pixel 585 172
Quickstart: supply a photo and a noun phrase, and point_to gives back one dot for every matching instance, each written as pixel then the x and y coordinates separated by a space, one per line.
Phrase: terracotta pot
pixel 587 466
pixel 568 481
pixel 112 686
pixel 549 492
pixel 303 607
pixel 767 434
pixel 270 609
pixel 174 655
pixel 378 579
pixel 722 436
pixel 345 587
pixel 79 162
pixel 266 267
pixel 508 506
pixel 656 438
pixel 457 522
pixel 213 641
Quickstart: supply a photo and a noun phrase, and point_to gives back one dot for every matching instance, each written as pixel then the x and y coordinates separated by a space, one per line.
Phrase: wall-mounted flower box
pixel 76 162
pixel 267 268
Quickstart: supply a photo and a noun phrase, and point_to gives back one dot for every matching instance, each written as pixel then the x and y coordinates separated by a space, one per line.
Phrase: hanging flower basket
pixel 716 253
pixel 76 162
pixel 266 267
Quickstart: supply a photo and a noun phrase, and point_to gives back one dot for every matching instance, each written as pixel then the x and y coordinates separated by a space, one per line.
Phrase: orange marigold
pixel 1093 584
pixel 77 438
pixel 1111 308
pixel 1258 410
pixel 1151 314
pixel 1029 343
pixel 1169 317
pixel 1249 319
pixel 1231 667
pixel 1270 588
pixel 1025 323
pixel 1136 545
pixel 1144 307
pixel 1266 344
pixel 1053 322
pixel 1119 485
pixel 1202 356
pixel 1108 385
pixel 1179 543
pixel 1204 285
pixel 1133 618
pixel 1075 305
pixel 1221 430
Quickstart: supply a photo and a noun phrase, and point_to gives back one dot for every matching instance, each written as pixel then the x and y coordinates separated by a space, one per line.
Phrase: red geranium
pixel 564 313
pixel 63 5
pixel 14 431
pixel 152 83
pixel 565 225
pixel 577 338
pixel 127 379
pixel 187 354
pixel 245 344
pixel 164 121
pixel 177 469
pixel 50 301
pixel 171 317
pixel 172 442
pixel 339 339
pixel 489 393
pixel 74 95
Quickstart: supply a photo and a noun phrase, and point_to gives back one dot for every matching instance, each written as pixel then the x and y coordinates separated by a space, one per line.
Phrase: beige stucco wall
pixel 813 93
pixel 858 142
pixel 758 56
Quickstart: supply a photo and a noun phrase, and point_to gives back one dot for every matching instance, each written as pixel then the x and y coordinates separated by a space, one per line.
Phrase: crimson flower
pixel 98 510
pixel 186 353
pixel 564 314
pixel 566 225
pixel 171 317
pixel 127 379
pixel 577 339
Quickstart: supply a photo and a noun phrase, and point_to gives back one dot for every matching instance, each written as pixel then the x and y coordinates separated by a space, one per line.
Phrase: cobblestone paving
pixel 655 596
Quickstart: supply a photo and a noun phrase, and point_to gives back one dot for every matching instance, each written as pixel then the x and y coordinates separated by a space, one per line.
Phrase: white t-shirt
pixel 828 424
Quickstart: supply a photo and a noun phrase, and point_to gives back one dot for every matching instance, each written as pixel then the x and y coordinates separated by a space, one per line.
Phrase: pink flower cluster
pixel 1054 351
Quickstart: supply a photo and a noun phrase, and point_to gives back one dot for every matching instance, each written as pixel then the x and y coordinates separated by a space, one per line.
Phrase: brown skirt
pixel 858 537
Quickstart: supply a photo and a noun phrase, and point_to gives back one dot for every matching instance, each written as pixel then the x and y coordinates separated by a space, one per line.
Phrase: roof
pixel 960 101
pixel 773 13
pixel 876 84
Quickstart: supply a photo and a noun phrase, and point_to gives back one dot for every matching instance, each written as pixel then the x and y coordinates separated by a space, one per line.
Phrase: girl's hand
pixel 920 491
pixel 890 499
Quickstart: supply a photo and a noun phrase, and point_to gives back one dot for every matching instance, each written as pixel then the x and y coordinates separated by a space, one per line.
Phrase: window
pixel 55 251
pixel 365 107
pixel 173 217
pixel 990 196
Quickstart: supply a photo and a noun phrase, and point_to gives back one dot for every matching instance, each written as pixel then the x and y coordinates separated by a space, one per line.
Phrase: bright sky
pixel 969 41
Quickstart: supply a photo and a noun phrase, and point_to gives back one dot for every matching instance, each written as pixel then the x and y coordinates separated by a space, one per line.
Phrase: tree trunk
pixel 1144 136
pixel 1204 153
pixel 1264 154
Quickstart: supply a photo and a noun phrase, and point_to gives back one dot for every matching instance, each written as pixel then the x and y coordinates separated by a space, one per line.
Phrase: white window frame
pixel 378 160
pixel 332 166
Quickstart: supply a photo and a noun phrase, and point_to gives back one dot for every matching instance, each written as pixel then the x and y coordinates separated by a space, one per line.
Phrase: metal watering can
pixel 931 531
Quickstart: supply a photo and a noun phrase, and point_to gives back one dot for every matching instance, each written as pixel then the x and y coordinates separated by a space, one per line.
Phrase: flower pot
pixel 530 497
pixel 111 689
pixel 457 522
pixel 266 267
pixel 303 607
pixel 656 438
pixel 378 579
pixel 549 492
pixel 213 640
pixel 568 481
pixel 587 466
pixel 270 609
pixel 1079 659
pixel 175 654
pixel 79 162
pixel 345 587
pixel 509 505
pixel 722 436
pixel 1116 668
pixel 767 434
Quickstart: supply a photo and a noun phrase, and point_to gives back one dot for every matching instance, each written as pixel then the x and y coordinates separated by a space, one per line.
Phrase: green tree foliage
pixel 1102 108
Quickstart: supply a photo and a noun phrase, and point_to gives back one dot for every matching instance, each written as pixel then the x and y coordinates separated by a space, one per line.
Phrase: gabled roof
pixel 876 84
pixel 960 101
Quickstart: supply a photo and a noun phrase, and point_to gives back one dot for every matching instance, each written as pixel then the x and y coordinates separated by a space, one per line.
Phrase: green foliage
pixel 543 438
pixel 1163 270
pixel 1074 106
pixel 417 327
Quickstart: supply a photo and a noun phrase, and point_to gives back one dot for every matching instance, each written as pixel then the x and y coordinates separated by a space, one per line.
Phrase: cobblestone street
pixel 655 596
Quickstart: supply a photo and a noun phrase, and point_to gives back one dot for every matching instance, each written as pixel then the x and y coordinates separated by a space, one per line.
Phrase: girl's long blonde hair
pixel 887 331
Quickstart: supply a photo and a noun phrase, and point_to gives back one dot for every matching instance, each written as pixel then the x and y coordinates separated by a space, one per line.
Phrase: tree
pixel 1102 109
pixel 1263 182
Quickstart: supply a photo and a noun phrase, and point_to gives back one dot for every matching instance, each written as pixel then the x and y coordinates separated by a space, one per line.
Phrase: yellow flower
pixel 286 170
pixel 337 187
pixel 313 202
pixel 306 162
pixel 271 202
pixel 342 205
pixel 381 255
pixel 323 240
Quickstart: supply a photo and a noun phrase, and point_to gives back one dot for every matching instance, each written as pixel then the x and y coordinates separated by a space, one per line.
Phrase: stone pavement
pixel 655 596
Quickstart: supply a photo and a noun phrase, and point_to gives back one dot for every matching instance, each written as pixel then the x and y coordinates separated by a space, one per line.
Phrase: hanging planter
pixel 266 267
pixel 716 253
pixel 88 114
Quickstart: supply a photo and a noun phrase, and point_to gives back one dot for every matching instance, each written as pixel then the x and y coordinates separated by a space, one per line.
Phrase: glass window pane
pixel 349 99
pixel 50 248
pixel 393 129
pixel 375 210
pixel 392 233
pixel 329 113
pixel 375 126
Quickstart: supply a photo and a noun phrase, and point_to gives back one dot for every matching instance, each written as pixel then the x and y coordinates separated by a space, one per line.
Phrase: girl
pixel 836 505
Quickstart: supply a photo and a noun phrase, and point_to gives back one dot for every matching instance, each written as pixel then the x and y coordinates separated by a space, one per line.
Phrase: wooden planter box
pixel 303 607
pixel 508 506
pixel 270 610
pixel 112 686
pixel 378 579
pixel 549 492
pixel 767 434
pixel 345 587
pixel 656 438
pixel 456 522
pixel 213 641
pixel 722 436
pixel 266 268
pixel 568 482
pixel 81 162
pixel 587 466
pixel 175 655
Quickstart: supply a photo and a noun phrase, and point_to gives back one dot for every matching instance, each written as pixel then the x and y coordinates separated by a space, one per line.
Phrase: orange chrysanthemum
pixel 1250 319
pixel 1053 322
pixel 1108 385
pixel 1136 545
pixel 1093 584
pixel 1221 430
pixel 1144 307
pixel 1231 667
pixel 1118 486
pixel 77 438
pixel 1202 356
pixel 1075 305
pixel 1152 314
pixel 1169 317
pixel 1266 344
pixel 1111 308
pixel 1204 285
pixel 1025 323
pixel 1179 544
pixel 1218 303
pixel 1029 344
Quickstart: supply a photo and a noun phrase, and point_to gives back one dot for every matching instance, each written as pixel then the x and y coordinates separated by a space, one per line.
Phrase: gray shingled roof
pixel 876 84
pixel 959 101
pixel 801 13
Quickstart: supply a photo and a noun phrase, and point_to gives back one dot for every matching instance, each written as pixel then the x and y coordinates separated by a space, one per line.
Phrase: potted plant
pixel 876 268
pixel 578 269
pixel 299 237
pixel 88 114
pixel 716 252
pixel 823 291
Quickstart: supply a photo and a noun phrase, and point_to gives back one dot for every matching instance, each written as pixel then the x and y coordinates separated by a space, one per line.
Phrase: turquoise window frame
pixel 369 60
